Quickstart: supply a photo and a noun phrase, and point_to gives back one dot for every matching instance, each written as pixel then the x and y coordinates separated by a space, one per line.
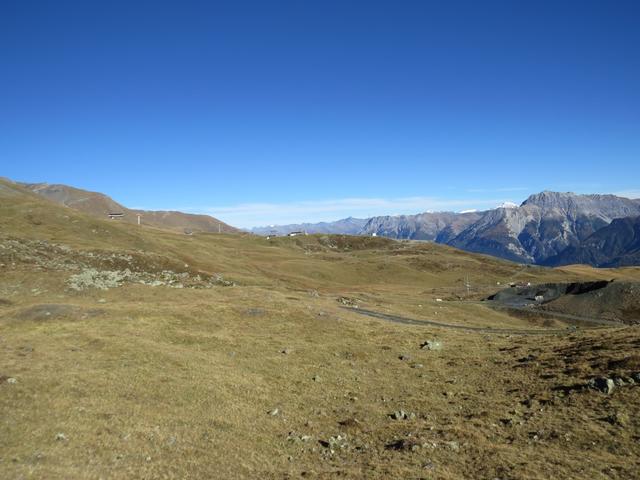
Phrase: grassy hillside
pixel 233 356
pixel 99 205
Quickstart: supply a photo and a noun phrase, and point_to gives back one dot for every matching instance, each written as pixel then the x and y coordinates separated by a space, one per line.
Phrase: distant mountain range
pixel 346 226
pixel 100 205
pixel 549 228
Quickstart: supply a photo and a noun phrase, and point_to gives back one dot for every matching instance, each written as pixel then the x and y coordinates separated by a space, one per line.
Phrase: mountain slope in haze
pixel 100 205
pixel 616 245
pixel 346 226
pixel 440 227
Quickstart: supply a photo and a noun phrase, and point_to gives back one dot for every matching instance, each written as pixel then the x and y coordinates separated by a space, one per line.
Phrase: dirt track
pixel 501 331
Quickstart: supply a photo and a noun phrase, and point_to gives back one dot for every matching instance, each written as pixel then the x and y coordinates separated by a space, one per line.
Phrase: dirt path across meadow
pixel 501 331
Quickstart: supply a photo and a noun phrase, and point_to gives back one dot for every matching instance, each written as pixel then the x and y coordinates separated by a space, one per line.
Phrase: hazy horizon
pixel 256 215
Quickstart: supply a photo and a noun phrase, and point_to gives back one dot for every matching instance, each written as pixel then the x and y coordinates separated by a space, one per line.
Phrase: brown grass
pixel 179 383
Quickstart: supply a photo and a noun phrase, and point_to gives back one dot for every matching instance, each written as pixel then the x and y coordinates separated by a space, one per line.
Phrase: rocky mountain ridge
pixel 536 231
pixel 616 245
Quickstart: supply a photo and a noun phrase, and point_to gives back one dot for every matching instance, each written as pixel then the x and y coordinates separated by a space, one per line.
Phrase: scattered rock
pixel 430 465
pixel 334 443
pixel 531 403
pixel 527 359
pixel 431 345
pixel 348 302
pixel 454 446
pixel 404 444
pixel 295 438
pixel 507 422
pixel 350 423
pixel 402 415
pixel 61 437
pixel 285 351
pixel 274 412
pixel 11 381
pixel 101 270
pixel 316 378
pixel 100 279
pixel 602 384
pixel 405 358
pixel 219 280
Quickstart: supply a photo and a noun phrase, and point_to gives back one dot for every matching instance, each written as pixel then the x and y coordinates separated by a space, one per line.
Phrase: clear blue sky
pixel 275 111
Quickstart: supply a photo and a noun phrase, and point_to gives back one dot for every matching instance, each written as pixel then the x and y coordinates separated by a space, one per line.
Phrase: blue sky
pixel 282 111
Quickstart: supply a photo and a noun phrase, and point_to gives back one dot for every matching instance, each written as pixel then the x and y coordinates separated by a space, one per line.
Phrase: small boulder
pixel 402 415
pixel 431 345
pixel 404 444
pixel 455 446
pixel 602 384
pixel 348 302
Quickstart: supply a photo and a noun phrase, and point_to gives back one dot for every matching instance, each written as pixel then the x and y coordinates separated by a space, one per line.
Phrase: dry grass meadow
pixel 261 367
